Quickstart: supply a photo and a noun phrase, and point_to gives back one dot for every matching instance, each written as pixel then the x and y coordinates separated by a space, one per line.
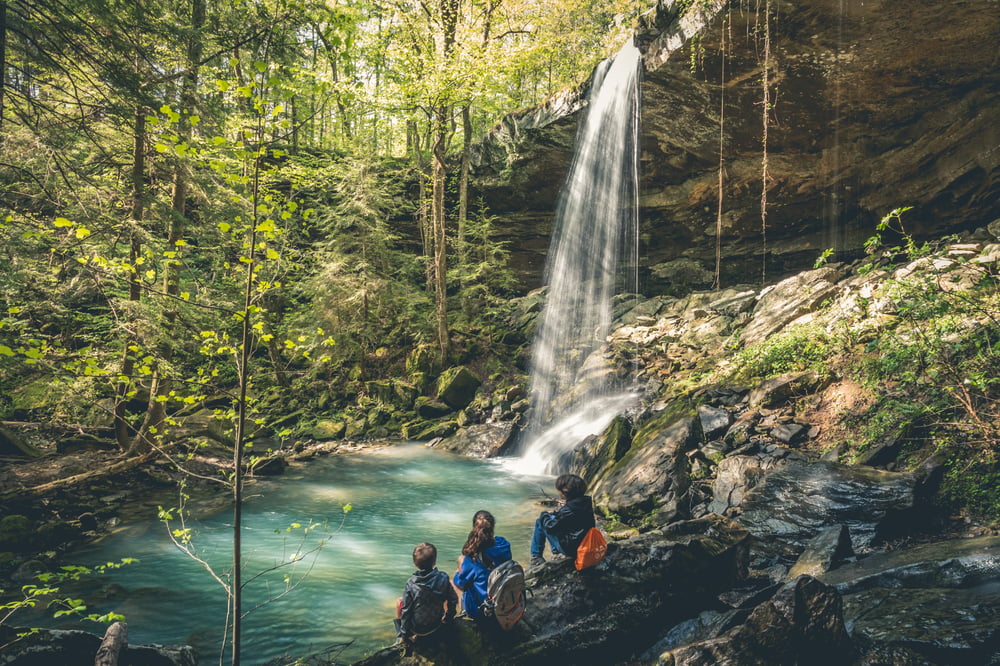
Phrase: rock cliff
pixel 874 105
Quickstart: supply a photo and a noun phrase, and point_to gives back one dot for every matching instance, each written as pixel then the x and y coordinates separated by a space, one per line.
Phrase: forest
pixel 239 237
pixel 267 198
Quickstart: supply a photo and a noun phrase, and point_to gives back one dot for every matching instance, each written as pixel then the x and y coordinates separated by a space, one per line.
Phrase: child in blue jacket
pixel 481 553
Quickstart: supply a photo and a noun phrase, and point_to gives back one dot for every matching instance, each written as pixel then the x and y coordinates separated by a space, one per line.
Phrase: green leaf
pixel 62 222
pixel 6 351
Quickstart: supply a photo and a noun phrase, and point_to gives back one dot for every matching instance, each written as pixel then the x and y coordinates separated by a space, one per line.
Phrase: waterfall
pixel 594 244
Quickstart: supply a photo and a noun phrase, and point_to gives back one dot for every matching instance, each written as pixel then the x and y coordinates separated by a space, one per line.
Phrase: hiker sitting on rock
pixel 481 553
pixel 565 527
pixel 428 601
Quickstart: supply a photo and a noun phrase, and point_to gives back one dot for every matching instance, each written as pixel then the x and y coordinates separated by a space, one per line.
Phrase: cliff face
pixel 874 105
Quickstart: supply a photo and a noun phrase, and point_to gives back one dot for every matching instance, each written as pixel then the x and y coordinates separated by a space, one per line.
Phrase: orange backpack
pixel 591 550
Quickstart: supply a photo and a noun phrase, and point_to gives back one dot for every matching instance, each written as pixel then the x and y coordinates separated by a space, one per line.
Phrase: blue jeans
pixel 538 539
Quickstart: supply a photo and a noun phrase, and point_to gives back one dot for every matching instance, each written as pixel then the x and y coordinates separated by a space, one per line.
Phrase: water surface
pixel 400 495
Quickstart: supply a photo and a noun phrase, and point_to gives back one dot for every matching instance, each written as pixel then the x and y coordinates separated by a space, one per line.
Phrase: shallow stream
pixel 399 496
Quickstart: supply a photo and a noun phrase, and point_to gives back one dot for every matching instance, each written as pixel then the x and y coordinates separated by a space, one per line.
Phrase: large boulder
pixel 798 499
pixel 940 602
pixel 802 624
pixel 647 484
pixel 484 440
pixel 734 477
pixel 457 387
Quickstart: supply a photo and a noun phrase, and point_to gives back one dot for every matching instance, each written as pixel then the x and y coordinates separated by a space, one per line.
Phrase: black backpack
pixel 505 594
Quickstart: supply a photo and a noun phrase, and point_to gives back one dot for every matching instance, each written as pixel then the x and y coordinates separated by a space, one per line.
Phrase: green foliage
pixel 801 347
pixel 48 594
pixel 972 487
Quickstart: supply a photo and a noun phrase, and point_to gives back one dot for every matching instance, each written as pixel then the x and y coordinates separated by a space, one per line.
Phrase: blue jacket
pixel 475 573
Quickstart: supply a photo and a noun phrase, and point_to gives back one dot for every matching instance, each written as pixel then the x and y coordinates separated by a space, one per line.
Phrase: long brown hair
pixel 481 537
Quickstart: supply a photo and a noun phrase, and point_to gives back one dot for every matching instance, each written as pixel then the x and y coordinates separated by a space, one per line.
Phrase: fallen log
pixel 115 468
pixel 115 641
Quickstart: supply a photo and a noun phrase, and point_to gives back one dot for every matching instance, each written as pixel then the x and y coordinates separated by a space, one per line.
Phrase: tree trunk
pixel 135 251
pixel 3 57
pixel 463 181
pixel 437 221
pixel 115 642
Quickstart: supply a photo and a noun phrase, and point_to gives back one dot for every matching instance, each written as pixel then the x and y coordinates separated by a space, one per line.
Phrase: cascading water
pixel 572 392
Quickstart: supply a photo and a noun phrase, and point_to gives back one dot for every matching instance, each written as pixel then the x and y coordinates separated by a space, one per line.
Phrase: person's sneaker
pixel 536 561
pixel 559 558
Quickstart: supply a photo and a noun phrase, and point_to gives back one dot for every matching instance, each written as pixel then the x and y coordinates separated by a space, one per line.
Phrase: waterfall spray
pixel 574 393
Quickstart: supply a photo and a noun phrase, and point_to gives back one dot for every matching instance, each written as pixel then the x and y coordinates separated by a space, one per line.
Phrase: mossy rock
pixel 429 408
pixel 432 430
pixel 425 359
pixel 457 387
pixel 326 429
pixel 12 444
pixel 355 428
pixel 16 532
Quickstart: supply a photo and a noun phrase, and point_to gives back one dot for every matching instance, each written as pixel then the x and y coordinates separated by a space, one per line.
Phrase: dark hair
pixel 481 537
pixel 571 486
pixel 425 556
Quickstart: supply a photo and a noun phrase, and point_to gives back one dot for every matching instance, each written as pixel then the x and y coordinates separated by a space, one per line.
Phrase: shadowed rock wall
pixel 875 105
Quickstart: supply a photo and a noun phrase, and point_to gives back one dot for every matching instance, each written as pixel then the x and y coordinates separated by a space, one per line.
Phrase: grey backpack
pixel 505 594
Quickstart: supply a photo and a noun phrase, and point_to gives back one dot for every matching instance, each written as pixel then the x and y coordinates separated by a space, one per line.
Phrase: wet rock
pixel 88 521
pixel 940 601
pixel 597 455
pixel 797 499
pixel 706 626
pixel 654 475
pixel 802 624
pixel 944 625
pixel 824 552
pixel 884 451
pixel 956 563
pixel 457 387
pixel 680 276
pixel 485 440
pixel 734 478
pixel 270 466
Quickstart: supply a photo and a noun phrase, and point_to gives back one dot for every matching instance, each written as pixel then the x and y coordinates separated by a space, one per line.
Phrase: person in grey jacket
pixel 429 601
pixel 564 528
